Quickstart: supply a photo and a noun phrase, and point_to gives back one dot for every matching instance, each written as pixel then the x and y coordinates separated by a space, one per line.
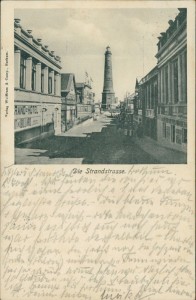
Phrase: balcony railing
pixel 140 112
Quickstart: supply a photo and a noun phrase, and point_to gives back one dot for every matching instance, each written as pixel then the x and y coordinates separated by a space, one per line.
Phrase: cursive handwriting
pixel 116 236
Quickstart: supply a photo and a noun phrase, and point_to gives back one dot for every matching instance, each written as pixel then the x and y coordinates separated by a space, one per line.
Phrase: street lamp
pixel 43 110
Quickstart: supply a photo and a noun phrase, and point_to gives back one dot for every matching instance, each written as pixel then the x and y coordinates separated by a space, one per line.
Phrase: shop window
pixel 22 72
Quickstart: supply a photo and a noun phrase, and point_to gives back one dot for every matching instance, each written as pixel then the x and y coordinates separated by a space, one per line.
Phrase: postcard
pixel 97 150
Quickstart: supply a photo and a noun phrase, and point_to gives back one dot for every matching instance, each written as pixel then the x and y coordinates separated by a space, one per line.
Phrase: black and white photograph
pixel 100 86
pixel 97 150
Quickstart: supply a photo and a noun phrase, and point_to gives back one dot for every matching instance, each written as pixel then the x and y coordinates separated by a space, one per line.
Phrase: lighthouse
pixel 108 95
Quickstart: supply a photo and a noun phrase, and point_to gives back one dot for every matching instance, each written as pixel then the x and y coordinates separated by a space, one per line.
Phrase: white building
pixel 172 84
pixel 37 96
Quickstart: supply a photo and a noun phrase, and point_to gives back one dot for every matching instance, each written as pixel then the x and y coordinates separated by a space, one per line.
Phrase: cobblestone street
pixel 95 142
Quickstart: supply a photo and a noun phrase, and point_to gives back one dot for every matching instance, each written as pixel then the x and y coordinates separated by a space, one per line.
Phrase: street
pixel 95 142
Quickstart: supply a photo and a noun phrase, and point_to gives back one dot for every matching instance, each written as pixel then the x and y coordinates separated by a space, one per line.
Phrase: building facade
pixel 160 102
pixel 129 103
pixel 37 92
pixel 149 93
pixel 69 101
pixel 85 100
pixel 172 84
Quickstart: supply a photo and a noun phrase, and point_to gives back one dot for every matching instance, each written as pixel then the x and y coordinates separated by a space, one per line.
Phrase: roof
pixel 24 36
pixel 66 80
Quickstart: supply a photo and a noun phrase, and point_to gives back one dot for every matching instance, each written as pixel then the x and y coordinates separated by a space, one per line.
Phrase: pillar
pixel 179 79
pixel 38 77
pixel 169 83
pixel 146 106
pixel 59 89
pixel 184 79
pixel 159 86
pixel 58 84
pixel 46 80
pixel 162 86
pixel 17 68
pixel 150 102
pixel 172 83
pixel 28 73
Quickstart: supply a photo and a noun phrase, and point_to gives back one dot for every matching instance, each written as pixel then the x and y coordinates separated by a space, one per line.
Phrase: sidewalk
pixel 162 154
pixel 85 128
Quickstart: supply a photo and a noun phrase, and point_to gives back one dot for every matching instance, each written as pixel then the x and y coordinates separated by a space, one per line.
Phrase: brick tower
pixel 108 95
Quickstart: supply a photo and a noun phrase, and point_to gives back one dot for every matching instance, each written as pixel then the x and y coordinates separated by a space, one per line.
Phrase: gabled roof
pixel 66 80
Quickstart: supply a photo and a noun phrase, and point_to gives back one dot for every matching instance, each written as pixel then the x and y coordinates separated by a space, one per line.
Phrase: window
pixel 55 85
pixel 175 80
pixel 22 72
pixel 50 81
pixel 33 79
pixel 42 81
pixel 50 85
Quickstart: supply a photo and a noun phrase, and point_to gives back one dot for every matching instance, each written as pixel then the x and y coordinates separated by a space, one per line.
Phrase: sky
pixel 80 37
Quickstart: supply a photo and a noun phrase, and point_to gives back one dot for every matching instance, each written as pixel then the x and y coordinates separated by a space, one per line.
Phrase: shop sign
pixel 26 109
pixel 24 123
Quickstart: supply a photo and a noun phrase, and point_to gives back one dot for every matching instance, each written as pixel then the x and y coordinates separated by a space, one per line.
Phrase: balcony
pixel 140 112
pixel 150 113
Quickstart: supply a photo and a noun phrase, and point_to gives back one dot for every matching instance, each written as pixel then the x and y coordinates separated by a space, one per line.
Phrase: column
pixel 146 98
pixel 56 82
pixel 46 80
pixel 184 79
pixel 172 82
pixel 17 68
pixel 58 85
pixel 162 100
pixel 159 87
pixel 179 79
pixel 52 76
pixel 169 83
pixel 28 73
pixel 150 95
pixel 38 77
pixel 164 95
